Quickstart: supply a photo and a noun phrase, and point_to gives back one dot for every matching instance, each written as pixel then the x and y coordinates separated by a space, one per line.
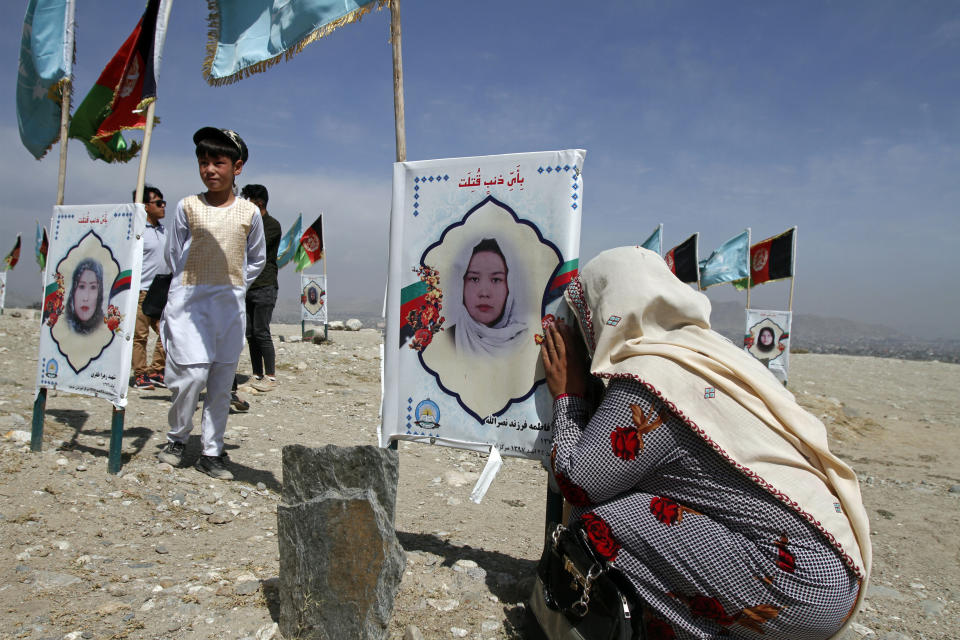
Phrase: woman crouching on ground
pixel 698 476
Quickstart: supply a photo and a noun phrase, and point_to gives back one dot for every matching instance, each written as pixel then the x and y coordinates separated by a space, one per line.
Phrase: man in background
pixel 262 296
pixel 148 375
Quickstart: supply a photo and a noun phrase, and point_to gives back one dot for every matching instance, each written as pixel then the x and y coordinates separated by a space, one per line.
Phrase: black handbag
pixel 156 298
pixel 578 595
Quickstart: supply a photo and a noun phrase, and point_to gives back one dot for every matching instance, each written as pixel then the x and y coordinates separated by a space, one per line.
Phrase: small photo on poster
pixel 313 298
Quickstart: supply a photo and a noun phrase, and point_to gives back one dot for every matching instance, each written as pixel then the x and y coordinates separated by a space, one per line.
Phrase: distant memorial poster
pixel 481 250
pixel 90 302
pixel 313 298
pixel 3 290
pixel 767 339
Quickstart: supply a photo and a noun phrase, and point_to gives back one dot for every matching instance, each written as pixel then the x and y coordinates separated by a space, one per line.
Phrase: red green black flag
pixel 683 261
pixel 772 259
pixel 125 88
pixel 13 257
pixel 311 245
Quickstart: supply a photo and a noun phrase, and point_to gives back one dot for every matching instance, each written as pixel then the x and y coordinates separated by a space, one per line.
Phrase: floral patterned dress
pixel 710 553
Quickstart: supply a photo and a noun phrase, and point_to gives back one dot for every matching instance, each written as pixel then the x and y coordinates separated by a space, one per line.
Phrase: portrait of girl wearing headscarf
pixel 86 272
pixel 84 308
pixel 485 322
pixel 492 271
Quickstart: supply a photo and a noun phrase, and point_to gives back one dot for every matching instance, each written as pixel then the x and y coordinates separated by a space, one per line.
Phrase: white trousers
pixel 186 382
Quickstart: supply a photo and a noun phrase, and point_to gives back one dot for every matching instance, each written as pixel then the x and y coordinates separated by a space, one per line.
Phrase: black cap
pixel 226 136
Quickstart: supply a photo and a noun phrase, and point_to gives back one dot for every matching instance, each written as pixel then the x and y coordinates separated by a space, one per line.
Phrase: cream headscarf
pixel 639 321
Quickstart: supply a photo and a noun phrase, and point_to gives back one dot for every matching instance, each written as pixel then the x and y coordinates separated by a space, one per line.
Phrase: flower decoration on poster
pixel 426 319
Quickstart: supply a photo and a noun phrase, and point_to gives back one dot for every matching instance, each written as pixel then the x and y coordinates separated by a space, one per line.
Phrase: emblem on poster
pixel 428 415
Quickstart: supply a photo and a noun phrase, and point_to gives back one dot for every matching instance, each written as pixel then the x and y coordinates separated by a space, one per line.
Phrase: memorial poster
pixel 767 338
pixel 90 301
pixel 313 298
pixel 481 250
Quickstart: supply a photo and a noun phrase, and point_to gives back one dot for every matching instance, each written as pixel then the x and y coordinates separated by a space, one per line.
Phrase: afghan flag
pixel 311 245
pixel 288 243
pixel 682 260
pixel 565 273
pixel 13 257
pixel 127 85
pixel 121 283
pixel 772 259
pixel 40 250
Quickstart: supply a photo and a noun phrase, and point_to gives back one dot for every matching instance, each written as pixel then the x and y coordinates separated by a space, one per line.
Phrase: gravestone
pixel 340 560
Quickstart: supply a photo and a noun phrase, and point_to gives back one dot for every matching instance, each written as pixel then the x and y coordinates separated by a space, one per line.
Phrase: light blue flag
pixel 46 57
pixel 289 243
pixel 250 36
pixel 728 263
pixel 655 241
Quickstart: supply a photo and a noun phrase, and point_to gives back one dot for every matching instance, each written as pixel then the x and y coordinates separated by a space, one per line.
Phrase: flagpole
pixel 145 151
pixel 326 284
pixel 749 265
pixel 398 115
pixel 64 125
pixel 793 268
pixel 148 128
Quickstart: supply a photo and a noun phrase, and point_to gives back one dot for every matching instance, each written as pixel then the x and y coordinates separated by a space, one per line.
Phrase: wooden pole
pixel 397 96
pixel 793 268
pixel 40 403
pixel 64 125
pixel 145 151
pixel 749 266
pixel 398 81
pixel 326 285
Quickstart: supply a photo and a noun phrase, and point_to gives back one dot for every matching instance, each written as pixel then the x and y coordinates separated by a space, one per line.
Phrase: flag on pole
pixel 13 257
pixel 311 245
pixel 126 86
pixel 250 37
pixel 42 245
pixel 288 243
pixel 46 61
pixel 682 260
pixel 655 241
pixel 728 263
pixel 772 259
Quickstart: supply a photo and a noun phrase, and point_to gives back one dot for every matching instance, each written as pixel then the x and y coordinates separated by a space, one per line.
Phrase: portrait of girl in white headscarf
pixel 485 321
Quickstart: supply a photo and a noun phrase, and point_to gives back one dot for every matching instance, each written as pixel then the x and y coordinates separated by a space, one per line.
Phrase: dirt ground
pixel 156 552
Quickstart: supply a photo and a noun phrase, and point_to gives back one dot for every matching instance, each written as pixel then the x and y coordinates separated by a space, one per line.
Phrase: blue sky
pixel 841 118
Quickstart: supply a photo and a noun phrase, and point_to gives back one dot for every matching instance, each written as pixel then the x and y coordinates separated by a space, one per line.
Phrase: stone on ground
pixel 340 560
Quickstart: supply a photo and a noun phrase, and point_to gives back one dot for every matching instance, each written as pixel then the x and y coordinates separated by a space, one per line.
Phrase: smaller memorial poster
pixel 313 298
pixel 767 339
pixel 90 301
pixel 481 250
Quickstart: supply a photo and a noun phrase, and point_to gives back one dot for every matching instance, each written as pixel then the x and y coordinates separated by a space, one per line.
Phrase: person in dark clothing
pixel 262 296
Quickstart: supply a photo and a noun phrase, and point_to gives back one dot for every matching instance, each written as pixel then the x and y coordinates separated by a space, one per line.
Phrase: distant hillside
pixel 728 318
pixel 819 334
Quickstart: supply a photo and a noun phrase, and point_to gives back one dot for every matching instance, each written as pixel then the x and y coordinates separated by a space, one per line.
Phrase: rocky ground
pixel 156 552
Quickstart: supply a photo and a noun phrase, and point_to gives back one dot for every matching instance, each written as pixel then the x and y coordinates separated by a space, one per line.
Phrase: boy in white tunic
pixel 215 249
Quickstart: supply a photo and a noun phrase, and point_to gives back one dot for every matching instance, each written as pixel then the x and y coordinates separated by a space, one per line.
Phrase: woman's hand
pixel 564 360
